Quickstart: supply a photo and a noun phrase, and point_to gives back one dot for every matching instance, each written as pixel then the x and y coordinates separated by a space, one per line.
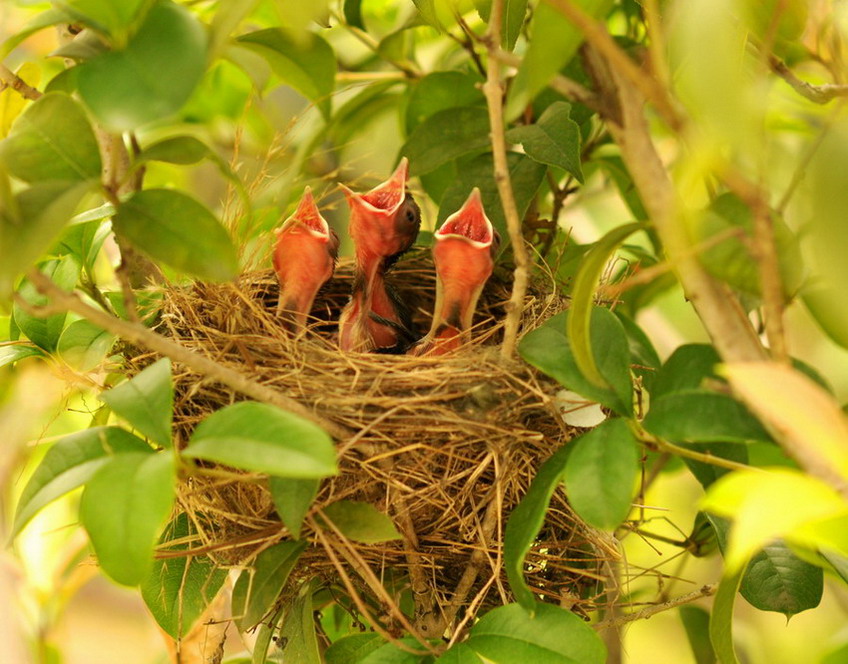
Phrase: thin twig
pixel 818 94
pixel 9 79
pixel 493 89
pixel 648 611
pixel 137 333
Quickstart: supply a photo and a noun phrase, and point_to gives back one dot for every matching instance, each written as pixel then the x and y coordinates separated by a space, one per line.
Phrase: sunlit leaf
pixel 460 653
pixel 721 618
pixel 39 22
pixel 445 136
pixel 123 508
pixel 804 412
pixel 146 401
pixel 292 497
pixel 309 66
pixel 361 522
pixel 153 76
pixel 179 589
pixel 83 344
pixel 68 464
pixel 52 140
pixel 547 348
pixel 547 635
pixel 439 91
pixel 353 649
pixel 554 139
pixel 257 588
pixel 176 229
pixel 45 331
pixel 266 439
pixel 526 520
pixel 13 352
pixel 105 16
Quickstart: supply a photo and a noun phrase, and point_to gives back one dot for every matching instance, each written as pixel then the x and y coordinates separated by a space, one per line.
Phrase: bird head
pixel 307 222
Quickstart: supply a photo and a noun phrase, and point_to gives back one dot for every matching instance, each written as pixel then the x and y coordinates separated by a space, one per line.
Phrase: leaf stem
pixel 647 612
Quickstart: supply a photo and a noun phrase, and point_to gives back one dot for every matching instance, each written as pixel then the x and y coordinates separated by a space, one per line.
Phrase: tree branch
pixel 493 89
pixel 9 79
pixel 139 334
pixel 818 94
pixel 648 611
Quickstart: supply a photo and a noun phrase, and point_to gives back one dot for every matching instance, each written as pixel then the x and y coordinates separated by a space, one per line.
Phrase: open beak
pixel 464 257
pixel 304 259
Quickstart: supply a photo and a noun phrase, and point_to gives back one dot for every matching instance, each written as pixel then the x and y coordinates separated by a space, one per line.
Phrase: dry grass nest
pixel 445 446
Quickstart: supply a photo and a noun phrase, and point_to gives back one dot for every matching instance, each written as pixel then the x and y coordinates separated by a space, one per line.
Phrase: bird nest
pixel 446 447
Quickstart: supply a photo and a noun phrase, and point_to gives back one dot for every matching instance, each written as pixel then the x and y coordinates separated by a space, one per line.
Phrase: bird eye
pixel 410 215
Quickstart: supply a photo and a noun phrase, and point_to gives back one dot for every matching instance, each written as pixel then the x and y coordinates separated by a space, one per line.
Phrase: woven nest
pixel 445 446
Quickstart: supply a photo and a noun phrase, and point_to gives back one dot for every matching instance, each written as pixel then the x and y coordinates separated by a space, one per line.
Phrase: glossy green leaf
pixel 298 629
pixel 554 139
pixel 68 464
pixel 778 580
pixel 52 140
pixel 178 590
pixel 580 316
pixel 444 136
pixel 389 653
pixel 696 622
pixel 13 352
pixel 83 240
pixel 361 522
pixel 686 369
pixel 353 13
pixel 721 618
pixel 548 349
pixel 34 217
pixel 309 66
pixel 257 588
pixel 153 76
pixel 123 508
pixel 45 332
pixel 600 476
pixel 525 174
pixel 176 150
pixel 292 497
pixel 460 653
pixel 353 649
pixel 83 345
pixel 171 227
pixel 526 521
pixel 703 416
pixel 439 91
pixel 554 41
pixel 146 401
pixel 547 635
pixel 266 439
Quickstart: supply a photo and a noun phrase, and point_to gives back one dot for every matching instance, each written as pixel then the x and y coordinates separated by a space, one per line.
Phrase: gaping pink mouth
pixel 389 194
pixel 470 222
pixel 307 215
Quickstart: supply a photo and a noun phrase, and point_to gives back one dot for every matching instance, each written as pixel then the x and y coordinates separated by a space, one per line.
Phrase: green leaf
pixel 778 580
pixel 703 416
pixel 178 590
pixel 298 629
pixel 40 21
pixel 361 522
pixel 554 139
pixel 838 655
pixel 707 473
pixel 554 41
pixel 264 636
pixel 83 345
pixel 308 65
pixel 721 619
pixel 696 622
pixel 83 239
pixel 614 166
pixel 45 332
pixel 444 136
pixel 600 476
pixel 105 16
pixel 389 653
pixel 353 649
pixel 266 439
pixel 36 216
pixel 68 464
pixel 292 497
pixel 514 13
pixel 686 369
pixel 15 351
pixel 353 13
pixel 548 349
pixel 644 360
pixel 176 150
pixel 258 588
pixel 153 76
pixel 146 401
pixel 460 653
pixel 583 299
pixel 52 140
pixel 439 91
pixel 123 508
pixel 525 174
pixel 526 521
pixel 179 231
pixel 548 635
